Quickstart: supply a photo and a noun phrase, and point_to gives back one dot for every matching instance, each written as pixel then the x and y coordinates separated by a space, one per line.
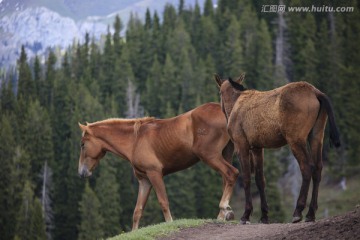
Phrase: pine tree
pixel 92 222
pixel 208 8
pixel 168 84
pixel 107 190
pixel 208 43
pixel 26 87
pixel 46 90
pixel 249 33
pixel 207 196
pixel 118 27
pixel 30 222
pixel 263 58
pixel 37 76
pixel 7 151
pixel 187 82
pixel 37 141
pixel 7 98
pixel 232 50
pixel 127 194
pixel 153 84
pixel 180 187
pixel 302 31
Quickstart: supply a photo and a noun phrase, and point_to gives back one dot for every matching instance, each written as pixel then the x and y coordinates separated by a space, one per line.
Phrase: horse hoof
pixel 296 219
pixel 229 216
pixel 264 220
pixel 244 222
pixel 309 219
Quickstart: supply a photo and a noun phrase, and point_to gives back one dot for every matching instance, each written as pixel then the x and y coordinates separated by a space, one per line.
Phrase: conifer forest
pixel 162 66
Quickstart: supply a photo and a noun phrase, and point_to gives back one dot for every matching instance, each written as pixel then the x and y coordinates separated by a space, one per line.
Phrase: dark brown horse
pixel 294 114
pixel 157 147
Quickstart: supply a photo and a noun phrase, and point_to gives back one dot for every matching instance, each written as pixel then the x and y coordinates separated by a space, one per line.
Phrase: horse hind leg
pixel 302 155
pixel 143 195
pixel 316 144
pixel 229 176
pixel 243 153
pixel 258 158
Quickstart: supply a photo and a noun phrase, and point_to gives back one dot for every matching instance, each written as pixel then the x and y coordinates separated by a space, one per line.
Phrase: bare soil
pixel 345 226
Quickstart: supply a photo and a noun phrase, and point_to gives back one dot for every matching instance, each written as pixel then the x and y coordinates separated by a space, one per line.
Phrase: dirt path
pixel 346 226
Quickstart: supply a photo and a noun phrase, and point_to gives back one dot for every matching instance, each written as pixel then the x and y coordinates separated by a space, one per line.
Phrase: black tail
pixel 334 131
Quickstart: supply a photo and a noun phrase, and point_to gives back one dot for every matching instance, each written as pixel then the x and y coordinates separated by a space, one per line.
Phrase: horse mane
pixel 139 122
pixel 236 85
pixel 113 121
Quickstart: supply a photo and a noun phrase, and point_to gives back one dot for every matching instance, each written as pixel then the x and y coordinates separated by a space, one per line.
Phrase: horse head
pixel 230 90
pixel 91 152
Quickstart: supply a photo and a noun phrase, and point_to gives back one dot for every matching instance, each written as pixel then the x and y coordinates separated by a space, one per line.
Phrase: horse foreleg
pixel 143 195
pixel 244 155
pixel 258 158
pixel 159 187
pixel 302 156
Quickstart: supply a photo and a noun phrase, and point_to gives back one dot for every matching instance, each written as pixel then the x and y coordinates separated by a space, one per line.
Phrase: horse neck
pixel 117 137
pixel 229 105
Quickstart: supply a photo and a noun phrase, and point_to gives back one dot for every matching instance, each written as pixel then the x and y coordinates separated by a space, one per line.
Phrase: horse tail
pixel 334 131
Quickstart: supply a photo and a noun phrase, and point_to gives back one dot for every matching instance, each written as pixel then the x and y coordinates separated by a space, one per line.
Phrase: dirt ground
pixel 345 226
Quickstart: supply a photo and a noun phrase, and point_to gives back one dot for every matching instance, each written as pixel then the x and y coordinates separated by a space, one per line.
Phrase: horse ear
pixel 241 78
pixel 82 127
pixel 218 80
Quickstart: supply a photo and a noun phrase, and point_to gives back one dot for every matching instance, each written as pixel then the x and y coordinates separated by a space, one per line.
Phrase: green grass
pixel 161 229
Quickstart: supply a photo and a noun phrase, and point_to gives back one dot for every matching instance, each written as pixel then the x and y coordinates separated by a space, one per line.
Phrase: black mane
pixel 236 85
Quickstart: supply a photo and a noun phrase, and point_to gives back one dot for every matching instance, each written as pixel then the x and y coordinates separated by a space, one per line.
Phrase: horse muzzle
pixel 84 172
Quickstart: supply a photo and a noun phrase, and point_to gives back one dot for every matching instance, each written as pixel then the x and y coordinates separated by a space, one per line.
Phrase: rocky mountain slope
pixel 40 24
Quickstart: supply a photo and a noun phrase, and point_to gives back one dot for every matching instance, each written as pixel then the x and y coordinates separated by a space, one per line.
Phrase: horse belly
pixel 177 162
pixel 266 136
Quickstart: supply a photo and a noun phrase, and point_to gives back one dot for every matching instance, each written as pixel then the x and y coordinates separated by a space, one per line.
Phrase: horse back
pixel 268 118
pixel 174 144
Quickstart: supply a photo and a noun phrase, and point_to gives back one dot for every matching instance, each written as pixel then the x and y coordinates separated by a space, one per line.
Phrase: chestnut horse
pixel 294 114
pixel 157 147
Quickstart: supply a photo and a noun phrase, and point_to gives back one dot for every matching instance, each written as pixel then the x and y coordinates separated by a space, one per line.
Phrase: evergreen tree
pixel 302 31
pixel 263 59
pixel 272 172
pixel 153 102
pixel 207 196
pixel 107 68
pixel 127 193
pixel 7 98
pixel 208 8
pixel 37 141
pixel 180 187
pixel 186 78
pixel 46 90
pixel 118 27
pixel 26 87
pixel 169 85
pixel 232 50
pixel 30 222
pixel 107 190
pixel 92 222
pixel 37 76
pixel 7 151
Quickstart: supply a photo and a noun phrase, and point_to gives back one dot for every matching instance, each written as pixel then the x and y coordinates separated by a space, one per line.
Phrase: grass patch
pixel 161 229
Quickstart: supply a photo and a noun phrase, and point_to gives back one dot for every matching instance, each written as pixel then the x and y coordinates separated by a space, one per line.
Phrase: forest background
pixel 163 68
